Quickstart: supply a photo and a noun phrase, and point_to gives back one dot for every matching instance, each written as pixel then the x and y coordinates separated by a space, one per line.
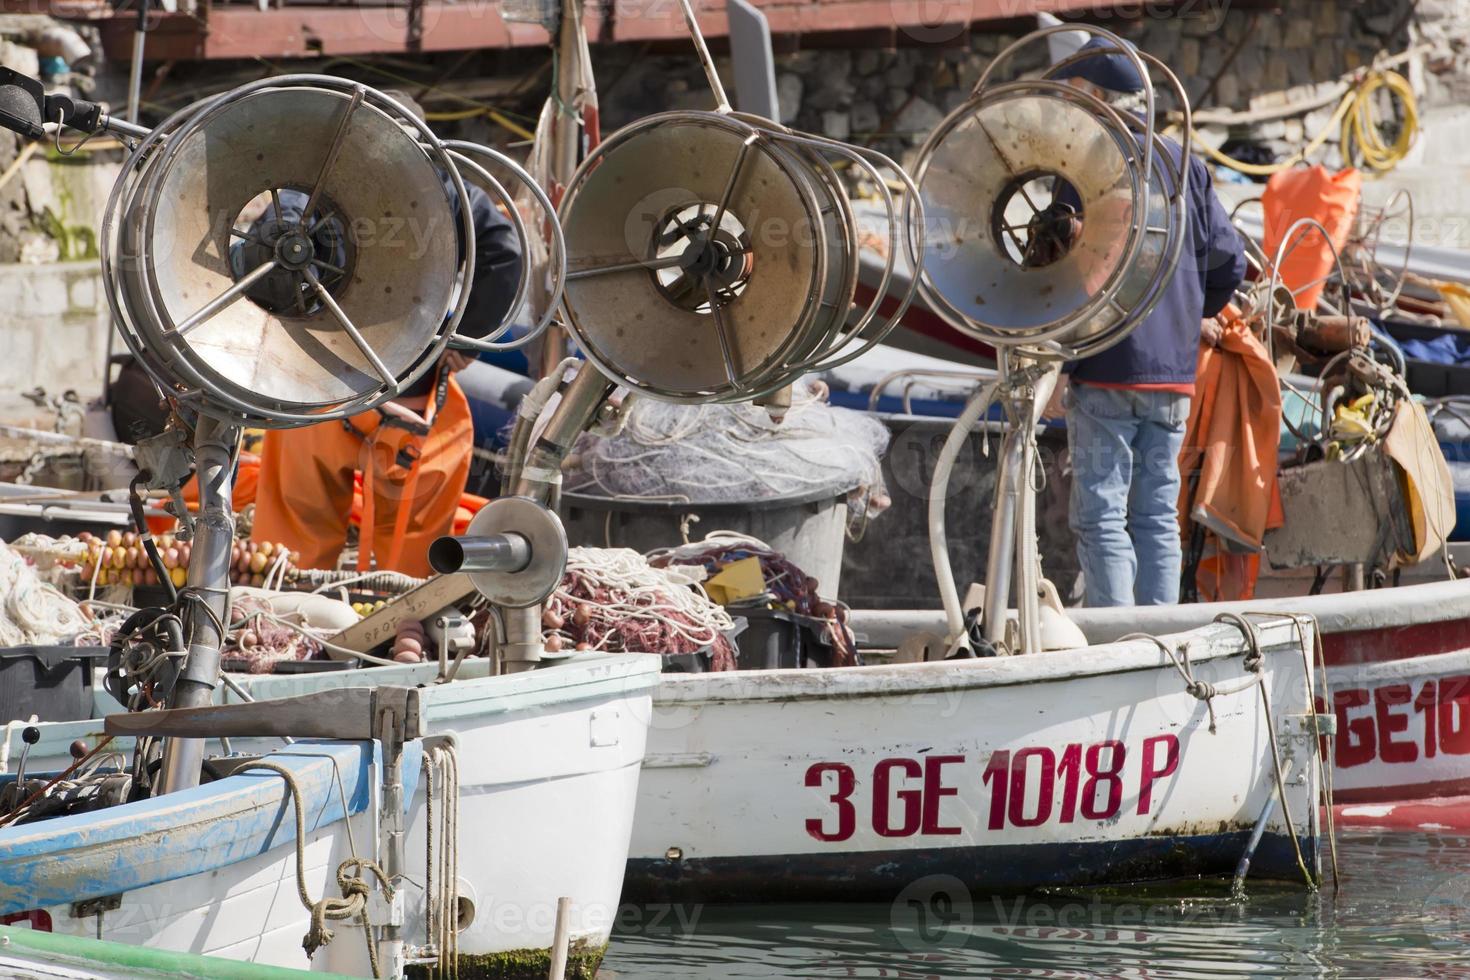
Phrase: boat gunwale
pixel 1336 613
pixel 167 829
pixel 1213 642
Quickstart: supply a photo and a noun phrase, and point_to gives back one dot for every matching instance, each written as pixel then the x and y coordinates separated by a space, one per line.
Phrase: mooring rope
pixel 355 888
pixel 441 876
pixel 1254 661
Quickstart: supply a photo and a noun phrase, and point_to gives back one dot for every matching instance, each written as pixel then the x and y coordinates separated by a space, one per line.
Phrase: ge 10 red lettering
pixel 1399 723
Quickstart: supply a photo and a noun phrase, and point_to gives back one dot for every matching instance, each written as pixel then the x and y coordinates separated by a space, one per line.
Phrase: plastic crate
pixel 776 639
pixel 52 683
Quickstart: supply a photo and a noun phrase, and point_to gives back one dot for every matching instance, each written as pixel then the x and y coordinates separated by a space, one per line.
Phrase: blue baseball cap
pixel 1114 71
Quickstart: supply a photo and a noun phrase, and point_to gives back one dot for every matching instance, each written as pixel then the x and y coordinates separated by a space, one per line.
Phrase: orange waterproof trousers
pixel 411 487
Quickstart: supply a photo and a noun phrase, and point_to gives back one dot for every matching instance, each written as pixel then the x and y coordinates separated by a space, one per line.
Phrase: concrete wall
pixel 55 324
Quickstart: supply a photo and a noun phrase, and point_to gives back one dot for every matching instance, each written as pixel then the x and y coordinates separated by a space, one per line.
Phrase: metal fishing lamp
pixel 248 312
pixel 997 270
pixel 712 257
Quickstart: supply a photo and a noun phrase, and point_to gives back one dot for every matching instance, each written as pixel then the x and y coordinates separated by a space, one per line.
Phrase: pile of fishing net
pixel 33 613
pixel 259 639
pixel 611 599
pixel 716 454
pixel 786 586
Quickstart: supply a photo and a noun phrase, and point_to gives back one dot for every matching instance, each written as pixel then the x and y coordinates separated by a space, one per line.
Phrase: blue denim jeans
pixel 1125 492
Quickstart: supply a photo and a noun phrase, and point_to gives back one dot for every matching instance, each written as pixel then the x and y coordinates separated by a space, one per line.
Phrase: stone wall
pixel 1226 58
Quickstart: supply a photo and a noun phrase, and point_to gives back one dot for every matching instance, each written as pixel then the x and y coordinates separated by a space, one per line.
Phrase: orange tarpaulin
pixel 1309 192
pixel 1228 462
pixel 315 479
pixel 469 506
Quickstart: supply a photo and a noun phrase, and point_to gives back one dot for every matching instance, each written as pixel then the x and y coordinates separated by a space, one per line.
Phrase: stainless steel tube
pixel 209 581
pixel 480 553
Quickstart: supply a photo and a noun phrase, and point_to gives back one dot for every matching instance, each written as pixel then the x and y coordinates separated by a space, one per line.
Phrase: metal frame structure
pixel 1030 354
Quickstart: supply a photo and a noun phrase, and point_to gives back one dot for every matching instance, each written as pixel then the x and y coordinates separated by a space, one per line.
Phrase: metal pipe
pixel 540 476
pixel 209 585
pixel 1028 560
pixel 540 479
pixel 135 70
pixel 1242 868
pixel 523 645
pixel 566 138
pixel 1003 537
pixel 480 553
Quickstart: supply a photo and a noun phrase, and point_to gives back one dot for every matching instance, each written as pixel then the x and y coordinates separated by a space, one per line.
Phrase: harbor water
pixel 1403 910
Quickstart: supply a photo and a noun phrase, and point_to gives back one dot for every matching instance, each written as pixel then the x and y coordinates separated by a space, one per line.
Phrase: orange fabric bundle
pixel 1228 462
pixel 1309 192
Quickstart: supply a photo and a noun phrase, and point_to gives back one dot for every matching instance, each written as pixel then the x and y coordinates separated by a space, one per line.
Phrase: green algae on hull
pixel 583 959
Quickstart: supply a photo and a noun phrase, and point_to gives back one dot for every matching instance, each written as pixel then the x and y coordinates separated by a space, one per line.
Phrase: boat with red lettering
pixel 1126 761
pixel 1397 676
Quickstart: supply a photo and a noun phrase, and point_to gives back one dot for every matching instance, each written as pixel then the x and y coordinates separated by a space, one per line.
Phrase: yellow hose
pixel 1359 133
pixel 458 114
pixel 1359 129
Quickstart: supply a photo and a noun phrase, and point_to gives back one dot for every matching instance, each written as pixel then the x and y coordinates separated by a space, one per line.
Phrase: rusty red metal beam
pixel 243 31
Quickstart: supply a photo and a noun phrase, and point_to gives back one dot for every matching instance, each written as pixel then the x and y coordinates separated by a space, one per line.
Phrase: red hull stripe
pixel 1395 643
pixel 1450 813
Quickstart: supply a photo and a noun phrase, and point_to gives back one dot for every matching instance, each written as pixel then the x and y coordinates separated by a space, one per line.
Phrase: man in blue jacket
pixel 1127 407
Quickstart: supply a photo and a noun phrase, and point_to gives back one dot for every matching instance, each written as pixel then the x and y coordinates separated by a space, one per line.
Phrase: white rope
pixel 635 590
pixel 33 613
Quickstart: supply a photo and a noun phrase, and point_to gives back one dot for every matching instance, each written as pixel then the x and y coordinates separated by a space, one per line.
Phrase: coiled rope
pixel 1356 120
pixel 441 877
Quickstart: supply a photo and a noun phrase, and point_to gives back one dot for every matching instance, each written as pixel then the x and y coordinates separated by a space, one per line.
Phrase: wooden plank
pixel 310 31
pixel 420 603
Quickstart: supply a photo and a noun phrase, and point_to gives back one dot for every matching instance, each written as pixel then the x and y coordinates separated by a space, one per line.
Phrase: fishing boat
pixel 550 759
pixel 1396 676
pixel 1084 766
pixel 1395 654
pixel 336 826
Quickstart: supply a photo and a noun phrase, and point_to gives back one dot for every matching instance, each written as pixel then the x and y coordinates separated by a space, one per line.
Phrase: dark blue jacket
pixel 1164 347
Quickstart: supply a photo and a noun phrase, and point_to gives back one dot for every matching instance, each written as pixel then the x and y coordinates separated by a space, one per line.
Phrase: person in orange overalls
pixel 413 452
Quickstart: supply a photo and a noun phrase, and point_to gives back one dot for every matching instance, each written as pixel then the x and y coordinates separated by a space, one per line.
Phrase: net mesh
pixel 717 454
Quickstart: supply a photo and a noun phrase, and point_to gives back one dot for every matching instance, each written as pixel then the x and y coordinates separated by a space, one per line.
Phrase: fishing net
pixel 33 613
pixel 611 599
pixel 259 639
pixel 718 454
pixel 787 586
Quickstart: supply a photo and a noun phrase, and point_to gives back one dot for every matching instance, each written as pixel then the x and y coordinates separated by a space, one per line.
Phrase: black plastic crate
pixel 779 639
pixel 52 683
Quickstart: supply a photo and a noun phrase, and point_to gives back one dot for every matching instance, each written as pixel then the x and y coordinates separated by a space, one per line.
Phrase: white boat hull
pixel 548 771
pixel 1398 670
pixel 1089 766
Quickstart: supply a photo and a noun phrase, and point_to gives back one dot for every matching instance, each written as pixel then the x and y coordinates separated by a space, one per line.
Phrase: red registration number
pixel 1399 723
pixel 1028 787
